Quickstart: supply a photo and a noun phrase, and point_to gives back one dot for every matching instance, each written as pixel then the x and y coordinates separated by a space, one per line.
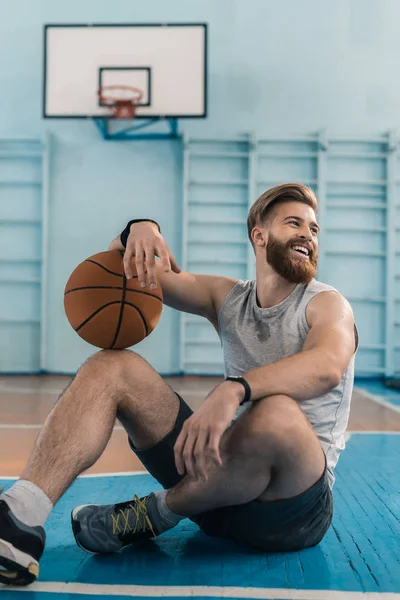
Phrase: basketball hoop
pixel 121 100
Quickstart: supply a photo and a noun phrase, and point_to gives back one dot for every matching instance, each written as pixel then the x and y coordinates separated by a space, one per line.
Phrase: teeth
pixel 301 249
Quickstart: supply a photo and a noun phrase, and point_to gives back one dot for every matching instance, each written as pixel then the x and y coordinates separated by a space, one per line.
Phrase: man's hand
pixel 145 243
pixel 201 434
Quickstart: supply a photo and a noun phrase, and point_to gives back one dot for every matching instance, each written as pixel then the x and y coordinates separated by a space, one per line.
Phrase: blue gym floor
pixel 360 553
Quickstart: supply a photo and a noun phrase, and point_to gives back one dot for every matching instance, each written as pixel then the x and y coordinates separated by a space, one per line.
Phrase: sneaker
pixel 21 547
pixel 100 529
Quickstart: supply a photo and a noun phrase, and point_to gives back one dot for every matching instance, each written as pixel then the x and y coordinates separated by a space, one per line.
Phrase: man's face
pixel 292 247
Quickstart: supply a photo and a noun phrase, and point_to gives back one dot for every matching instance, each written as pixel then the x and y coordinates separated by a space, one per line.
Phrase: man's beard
pixel 285 263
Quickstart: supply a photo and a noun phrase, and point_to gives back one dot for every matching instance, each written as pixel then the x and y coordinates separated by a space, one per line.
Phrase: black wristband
pixel 125 234
pixel 247 390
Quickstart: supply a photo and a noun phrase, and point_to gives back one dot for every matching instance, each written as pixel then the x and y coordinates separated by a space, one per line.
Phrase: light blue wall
pixel 274 67
pixel 98 187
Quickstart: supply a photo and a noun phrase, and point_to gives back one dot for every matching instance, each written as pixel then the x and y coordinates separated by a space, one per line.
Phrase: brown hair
pixel 286 192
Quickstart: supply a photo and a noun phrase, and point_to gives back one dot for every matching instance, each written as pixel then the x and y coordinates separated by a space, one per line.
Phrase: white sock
pixel 28 503
pixel 168 518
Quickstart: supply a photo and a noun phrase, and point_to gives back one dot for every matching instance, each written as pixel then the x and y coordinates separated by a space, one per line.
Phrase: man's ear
pixel 258 237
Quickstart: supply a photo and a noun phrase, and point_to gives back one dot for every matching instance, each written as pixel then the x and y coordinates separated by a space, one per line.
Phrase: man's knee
pixel 272 424
pixel 113 364
pixel 125 376
pixel 107 372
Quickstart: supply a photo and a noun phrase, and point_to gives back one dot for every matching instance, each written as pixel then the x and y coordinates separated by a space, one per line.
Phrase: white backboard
pixel 167 62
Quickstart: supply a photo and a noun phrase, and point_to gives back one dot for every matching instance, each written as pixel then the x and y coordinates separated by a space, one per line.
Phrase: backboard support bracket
pixel 130 133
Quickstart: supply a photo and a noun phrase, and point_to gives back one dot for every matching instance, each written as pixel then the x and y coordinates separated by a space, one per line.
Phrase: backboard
pixel 168 62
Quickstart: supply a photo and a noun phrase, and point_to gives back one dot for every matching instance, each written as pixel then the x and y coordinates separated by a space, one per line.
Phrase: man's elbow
pixel 332 377
pixel 116 245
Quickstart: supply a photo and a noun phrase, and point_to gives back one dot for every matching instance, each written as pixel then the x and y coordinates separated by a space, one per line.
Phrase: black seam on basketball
pixel 121 313
pixel 94 287
pixel 110 287
pixel 142 315
pixel 96 312
pixel 105 268
pixel 145 293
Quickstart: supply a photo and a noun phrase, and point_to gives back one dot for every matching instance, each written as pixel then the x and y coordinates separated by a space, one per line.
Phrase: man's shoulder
pixel 316 287
pixel 323 296
pixel 226 286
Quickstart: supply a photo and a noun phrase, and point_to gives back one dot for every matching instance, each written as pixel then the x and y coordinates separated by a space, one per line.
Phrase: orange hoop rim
pixel 120 105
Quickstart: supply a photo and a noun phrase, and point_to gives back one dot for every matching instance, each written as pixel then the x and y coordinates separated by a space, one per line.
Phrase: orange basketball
pixel 106 309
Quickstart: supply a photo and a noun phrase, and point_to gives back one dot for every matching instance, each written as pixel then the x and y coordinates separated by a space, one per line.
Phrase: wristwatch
pixel 247 390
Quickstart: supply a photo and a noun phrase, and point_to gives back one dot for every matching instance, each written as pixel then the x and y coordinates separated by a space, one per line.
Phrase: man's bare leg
pixel 270 453
pixel 73 437
pixel 78 428
pixel 271 446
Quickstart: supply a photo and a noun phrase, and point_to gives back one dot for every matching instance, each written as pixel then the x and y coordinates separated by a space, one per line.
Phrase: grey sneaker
pixel 100 529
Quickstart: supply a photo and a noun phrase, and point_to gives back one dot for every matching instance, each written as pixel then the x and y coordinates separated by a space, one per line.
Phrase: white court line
pixel 363 432
pixel 378 399
pixel 348 434
pixel 92 589
pixel 50 392
pixel 122 474
pixel 20 426
pixel 16 390
pixel 120 428
pixel 89 475
pixel 38 426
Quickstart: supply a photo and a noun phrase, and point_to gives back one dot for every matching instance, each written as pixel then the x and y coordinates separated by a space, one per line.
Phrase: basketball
pixel 106 309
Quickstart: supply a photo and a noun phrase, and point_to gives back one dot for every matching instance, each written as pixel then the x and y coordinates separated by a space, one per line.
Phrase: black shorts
pixel 277 526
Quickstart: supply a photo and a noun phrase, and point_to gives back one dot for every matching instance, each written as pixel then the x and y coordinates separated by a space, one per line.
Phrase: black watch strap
pixel 125 234
pixel 247 390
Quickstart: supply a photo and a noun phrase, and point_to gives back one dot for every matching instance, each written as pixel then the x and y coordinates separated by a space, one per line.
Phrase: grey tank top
pixel 252 336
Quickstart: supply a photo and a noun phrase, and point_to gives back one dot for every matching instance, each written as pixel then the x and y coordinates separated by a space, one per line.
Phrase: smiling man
pixel 255 463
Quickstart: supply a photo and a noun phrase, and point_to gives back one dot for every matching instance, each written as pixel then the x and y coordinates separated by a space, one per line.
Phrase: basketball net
pixel 121 100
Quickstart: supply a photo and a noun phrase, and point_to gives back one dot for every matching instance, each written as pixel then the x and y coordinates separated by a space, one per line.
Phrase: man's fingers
pixel 151 266
pixel 187 454
pixel 168 260
pixel 174 265
pixel 179 444
pixel 127 262
pixel 162 252
pixel 139 262
pixel 199 455
pixel 213 446
pixel 184 451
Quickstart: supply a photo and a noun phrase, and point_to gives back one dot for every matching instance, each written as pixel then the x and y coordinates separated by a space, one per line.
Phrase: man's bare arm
pixel 320 365
pixel 188 292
